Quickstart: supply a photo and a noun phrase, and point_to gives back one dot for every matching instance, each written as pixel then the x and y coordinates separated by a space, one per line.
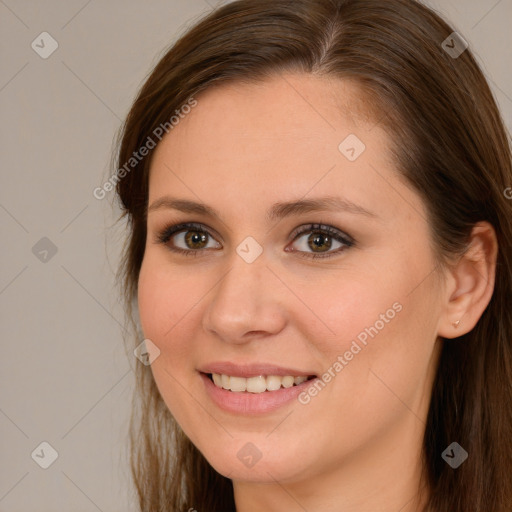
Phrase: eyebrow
pixel 276 211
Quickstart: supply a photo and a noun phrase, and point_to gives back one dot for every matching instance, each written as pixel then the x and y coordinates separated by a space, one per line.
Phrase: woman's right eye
pixel 192 237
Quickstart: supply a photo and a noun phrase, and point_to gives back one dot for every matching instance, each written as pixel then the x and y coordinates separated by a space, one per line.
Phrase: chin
pixel 248 463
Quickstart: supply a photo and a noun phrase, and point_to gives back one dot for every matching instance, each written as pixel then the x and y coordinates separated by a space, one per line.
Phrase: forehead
pixel 291 105
pixel 276 139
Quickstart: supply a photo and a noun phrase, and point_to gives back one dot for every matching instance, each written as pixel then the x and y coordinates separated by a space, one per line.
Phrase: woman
pixel 376 376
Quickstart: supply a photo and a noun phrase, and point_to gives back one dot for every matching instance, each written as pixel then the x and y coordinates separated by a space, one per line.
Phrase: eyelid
pixel 319 226
pixel 173 229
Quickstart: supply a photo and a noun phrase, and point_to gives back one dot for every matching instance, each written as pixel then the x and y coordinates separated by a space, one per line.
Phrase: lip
pixel 247 403
pixel 251 370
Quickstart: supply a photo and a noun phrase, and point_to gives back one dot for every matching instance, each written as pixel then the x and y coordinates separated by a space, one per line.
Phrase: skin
pixel 356 445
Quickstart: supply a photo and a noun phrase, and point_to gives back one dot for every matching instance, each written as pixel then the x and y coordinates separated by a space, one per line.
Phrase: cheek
pixel 166 308
pixel 165 304
pixel 354 307
pixel 380 322
pixel 163 297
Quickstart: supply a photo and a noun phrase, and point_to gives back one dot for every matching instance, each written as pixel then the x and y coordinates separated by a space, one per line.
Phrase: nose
pixel 247 303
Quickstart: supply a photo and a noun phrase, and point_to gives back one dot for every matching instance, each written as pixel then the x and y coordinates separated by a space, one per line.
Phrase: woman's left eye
pixel 321 237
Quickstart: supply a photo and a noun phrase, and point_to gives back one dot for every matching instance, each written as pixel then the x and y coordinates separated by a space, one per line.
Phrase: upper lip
pixel 251 370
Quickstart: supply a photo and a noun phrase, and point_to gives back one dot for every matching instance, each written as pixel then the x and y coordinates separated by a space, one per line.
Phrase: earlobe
pixel 471 283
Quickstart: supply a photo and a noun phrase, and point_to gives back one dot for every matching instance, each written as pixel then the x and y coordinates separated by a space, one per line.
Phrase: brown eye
pixel 187 239
pixel 195 239
pixel 320 240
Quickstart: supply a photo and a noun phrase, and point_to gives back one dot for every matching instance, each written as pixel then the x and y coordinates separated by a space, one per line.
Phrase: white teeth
pixel 273 382
pixel 287 381
pixel 258 384
pixel 217 379
pixel 225 381
pixel 237 383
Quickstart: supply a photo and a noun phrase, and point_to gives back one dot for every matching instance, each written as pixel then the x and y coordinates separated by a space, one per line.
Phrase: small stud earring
pixel 456 324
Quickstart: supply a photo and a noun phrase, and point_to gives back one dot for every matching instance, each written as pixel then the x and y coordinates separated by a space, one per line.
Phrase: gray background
pixel 65 377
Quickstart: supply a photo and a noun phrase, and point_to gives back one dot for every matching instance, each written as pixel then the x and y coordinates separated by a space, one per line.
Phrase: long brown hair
pixel 450 144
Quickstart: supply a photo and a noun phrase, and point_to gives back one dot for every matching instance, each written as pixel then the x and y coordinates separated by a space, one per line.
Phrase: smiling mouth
pixel 259 384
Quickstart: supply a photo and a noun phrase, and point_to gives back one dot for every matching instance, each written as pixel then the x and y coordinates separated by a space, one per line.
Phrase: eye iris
pixel 316 242
pixel 195 237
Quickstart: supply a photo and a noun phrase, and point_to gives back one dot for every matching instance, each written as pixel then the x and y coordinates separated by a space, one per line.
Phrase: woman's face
pixel 247 300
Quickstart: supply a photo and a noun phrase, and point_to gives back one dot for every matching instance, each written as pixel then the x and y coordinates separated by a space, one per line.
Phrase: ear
pixel 470 283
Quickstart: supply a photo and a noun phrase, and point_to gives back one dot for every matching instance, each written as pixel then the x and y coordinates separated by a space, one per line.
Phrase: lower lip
pixel 244 402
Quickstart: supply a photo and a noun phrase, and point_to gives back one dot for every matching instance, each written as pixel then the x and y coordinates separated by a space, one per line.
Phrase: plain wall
pixel 64 375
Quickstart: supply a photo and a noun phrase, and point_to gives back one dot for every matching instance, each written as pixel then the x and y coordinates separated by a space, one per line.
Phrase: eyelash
pixel 165 235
